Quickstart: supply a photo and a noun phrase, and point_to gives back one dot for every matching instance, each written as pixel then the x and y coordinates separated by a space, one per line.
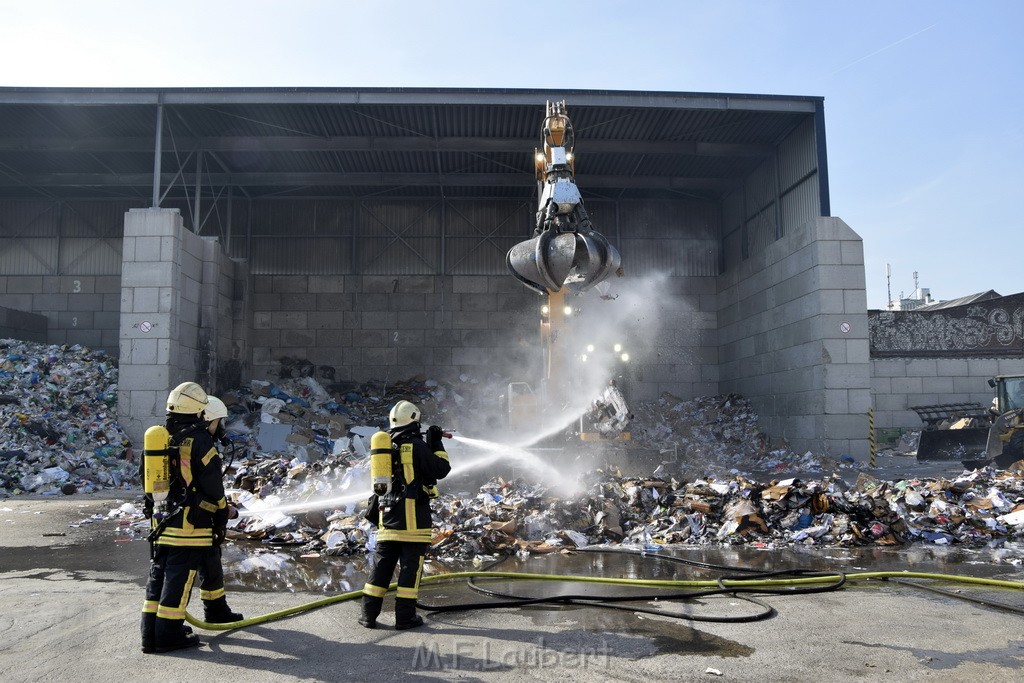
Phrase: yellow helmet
pixel 188 398
pixel 404 413
pixel 214 408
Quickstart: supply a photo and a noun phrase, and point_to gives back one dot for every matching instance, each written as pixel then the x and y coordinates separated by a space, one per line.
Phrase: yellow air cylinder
pixel 156 478
pixel 380 462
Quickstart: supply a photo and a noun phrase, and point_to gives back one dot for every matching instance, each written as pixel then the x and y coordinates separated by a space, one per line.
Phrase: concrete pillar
pixel 170 321
pixel 794 338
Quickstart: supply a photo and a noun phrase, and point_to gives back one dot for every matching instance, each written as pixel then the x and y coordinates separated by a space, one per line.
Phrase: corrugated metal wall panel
pixel 761 187
pixel 684 257
pixel 90 256
pixel 408 256
pixel 761 231
pixel 301 256
pixel 409 219
pixel 291 216
pixel 733 249
pixel 797 155
pixel 480 218
pixel 38 219
pixel 802 204
pixel 683 219
pixel 28 256
pixel 732 211
pixel 472 256
pixel 283 218
pixel 96 219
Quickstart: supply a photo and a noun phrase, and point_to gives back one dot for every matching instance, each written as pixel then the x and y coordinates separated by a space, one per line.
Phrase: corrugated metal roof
pixel 961 301
pixel 396 142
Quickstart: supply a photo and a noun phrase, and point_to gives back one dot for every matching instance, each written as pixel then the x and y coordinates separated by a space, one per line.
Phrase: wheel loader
pixel 973 434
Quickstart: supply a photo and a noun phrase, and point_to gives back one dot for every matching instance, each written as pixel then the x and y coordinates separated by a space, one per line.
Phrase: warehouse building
pixel 229 234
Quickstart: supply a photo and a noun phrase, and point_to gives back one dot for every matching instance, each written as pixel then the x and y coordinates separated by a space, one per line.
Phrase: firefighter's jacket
pixel 197 495
pixel 403 514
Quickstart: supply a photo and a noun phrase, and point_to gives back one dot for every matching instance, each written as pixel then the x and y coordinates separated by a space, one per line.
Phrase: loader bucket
pixel 969 444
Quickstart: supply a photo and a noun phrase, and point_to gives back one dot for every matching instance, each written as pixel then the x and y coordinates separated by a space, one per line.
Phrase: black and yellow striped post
pixel 871 433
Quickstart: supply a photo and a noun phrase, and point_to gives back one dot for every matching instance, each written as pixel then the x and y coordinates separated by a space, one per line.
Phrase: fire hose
pixel 785 582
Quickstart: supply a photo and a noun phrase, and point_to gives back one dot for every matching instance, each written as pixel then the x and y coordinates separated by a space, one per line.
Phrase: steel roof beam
pixel 369 179
pixel 407 97
pixel 409 143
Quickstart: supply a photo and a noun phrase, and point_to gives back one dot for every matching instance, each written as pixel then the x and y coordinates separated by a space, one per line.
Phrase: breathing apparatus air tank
pixel 156 477
pixel 380 463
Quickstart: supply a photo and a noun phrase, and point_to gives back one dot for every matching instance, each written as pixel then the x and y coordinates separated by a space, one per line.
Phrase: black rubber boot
pixel 148 632
pixel 170 635
pixel 218 612
pixel 405 614
pixel 371 610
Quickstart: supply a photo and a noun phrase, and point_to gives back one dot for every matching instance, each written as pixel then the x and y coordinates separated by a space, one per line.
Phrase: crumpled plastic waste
pixel 58 424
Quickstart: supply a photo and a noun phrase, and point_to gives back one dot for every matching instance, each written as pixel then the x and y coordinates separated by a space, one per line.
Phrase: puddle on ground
pixel 255 567
pixel 280 569
pixel 97 555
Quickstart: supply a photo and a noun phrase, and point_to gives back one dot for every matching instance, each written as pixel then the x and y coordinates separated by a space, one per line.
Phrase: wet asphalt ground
pixel 70 600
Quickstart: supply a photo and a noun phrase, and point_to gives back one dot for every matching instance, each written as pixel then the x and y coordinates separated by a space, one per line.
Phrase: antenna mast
pixel 888 285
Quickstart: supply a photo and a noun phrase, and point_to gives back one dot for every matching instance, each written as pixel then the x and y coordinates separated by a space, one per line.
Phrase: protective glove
pixel 219 534
pixel 434 438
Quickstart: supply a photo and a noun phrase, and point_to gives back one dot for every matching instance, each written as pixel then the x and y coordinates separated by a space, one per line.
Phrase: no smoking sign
pixel 845 327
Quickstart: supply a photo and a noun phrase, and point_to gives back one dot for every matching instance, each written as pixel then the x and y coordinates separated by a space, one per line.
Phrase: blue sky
pixel 923 98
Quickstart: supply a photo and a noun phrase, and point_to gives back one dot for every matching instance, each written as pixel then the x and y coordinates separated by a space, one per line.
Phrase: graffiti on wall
pixel 990 329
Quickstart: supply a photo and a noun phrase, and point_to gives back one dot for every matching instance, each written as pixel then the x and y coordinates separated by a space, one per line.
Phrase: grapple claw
pixel 549 261
pixel 566 251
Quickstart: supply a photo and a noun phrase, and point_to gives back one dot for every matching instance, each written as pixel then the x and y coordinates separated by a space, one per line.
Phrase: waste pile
pixel 304 438
pixel 974 509
pixel 716 435
pixel 977 508
pixel 58 422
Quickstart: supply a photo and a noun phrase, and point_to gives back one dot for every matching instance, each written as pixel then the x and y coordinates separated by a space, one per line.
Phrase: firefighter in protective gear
pixel 182 533
pixel 402 515
pixel 211 570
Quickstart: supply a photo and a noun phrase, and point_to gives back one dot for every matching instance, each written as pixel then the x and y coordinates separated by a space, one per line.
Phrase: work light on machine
pixel 590 348
pixel 544 310
pixel 617 348
pixel 625 357
pixel 567 310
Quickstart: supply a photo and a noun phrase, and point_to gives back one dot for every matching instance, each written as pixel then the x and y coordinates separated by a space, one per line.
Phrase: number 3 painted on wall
pixel 77 288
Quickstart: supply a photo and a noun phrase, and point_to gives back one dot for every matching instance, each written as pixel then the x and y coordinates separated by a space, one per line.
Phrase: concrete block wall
pixel 171 319
pixel 899 383
pixel 674 341
pixel 398 326
pixel 79 309
pixel 20 325
pixel 793 334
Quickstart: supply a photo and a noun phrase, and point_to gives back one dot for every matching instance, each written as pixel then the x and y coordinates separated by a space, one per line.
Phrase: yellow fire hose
pixel 650 583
